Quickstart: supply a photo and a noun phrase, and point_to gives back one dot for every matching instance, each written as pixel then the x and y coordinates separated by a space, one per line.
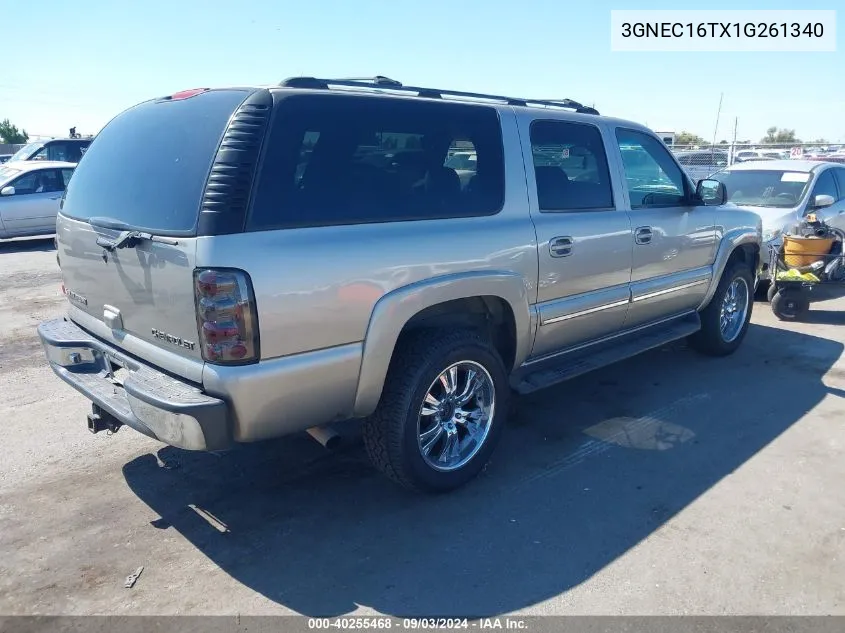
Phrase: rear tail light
pixel 227 318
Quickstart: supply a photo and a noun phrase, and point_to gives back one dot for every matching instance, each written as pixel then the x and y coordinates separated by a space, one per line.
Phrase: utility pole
pixel 733 143
pixel 716 130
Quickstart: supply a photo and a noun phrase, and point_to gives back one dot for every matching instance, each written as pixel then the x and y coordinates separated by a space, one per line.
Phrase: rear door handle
pixel 643 235
pixel 560 246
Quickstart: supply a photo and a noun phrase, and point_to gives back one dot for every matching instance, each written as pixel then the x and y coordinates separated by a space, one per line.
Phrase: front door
pixel 674 237
pixel 33 207
pixel 584 238
pixel 830 182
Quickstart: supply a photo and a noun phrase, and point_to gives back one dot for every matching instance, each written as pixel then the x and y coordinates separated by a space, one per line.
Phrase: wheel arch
pixel 739 245
pixel 493 301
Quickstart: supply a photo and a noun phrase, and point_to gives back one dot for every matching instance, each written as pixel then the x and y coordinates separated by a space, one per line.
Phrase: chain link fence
pixel 728 153
pixel 6 148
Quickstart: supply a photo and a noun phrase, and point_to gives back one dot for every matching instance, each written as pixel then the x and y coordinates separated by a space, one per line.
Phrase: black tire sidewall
pixel 709 339
pixel 733 274
pixel 779 306
pixel 430 478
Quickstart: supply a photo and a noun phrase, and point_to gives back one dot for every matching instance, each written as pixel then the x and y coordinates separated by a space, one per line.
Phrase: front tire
pixel 442 410
pixel 724 322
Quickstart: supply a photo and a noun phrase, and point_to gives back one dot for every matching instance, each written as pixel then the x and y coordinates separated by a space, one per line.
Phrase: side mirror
pixel 10 191
pixel 822 200
pixel 711 192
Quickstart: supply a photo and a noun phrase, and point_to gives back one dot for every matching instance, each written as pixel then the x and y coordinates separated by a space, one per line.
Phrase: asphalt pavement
pixel 667 484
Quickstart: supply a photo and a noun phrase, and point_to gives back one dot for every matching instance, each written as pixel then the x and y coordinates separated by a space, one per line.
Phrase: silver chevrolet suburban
pixel 247 263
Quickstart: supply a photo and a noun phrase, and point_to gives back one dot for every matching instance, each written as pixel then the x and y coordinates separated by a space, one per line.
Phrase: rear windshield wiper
pixel 128 238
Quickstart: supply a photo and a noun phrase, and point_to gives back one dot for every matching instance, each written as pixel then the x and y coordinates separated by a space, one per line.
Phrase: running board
pixel 572 364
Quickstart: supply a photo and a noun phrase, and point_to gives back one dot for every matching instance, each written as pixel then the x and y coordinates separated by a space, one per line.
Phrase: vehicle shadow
pixel 586 471
pixel 824 317
pixel 29 245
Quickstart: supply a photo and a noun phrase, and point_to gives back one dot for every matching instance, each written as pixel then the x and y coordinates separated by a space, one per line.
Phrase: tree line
pixel 777 137
pixel 11 134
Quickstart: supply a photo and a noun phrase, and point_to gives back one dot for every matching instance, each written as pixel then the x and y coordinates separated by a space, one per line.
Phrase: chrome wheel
pixel 734 309
pixel 455 416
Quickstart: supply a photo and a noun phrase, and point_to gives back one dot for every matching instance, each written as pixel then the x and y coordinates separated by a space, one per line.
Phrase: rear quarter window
pixel 343 159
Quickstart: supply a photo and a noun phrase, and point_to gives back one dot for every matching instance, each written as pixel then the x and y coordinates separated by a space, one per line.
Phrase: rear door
pixel 584 239
pixel 147 170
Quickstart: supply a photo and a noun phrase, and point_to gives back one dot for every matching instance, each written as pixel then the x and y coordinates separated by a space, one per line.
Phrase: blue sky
pixel 80 63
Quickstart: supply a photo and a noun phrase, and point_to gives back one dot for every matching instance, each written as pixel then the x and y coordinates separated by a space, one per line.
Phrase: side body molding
pixel 730 240
pixel 396 308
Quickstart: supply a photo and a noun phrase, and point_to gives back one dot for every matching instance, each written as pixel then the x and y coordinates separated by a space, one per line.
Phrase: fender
pixel 396 308
pixel 731 240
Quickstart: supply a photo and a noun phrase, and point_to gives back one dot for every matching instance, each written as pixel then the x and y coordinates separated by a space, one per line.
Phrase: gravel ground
pixel 668 484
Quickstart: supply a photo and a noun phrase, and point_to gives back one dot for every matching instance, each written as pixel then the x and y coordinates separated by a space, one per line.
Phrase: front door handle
pixel 643 235
pixel 560 246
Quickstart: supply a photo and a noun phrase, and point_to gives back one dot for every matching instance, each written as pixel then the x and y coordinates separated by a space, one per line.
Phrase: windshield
pixel 26 151
pixel 764 188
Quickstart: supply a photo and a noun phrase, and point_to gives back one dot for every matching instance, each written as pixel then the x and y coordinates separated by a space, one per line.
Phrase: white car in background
pixel 783 192
pixel 465 165
pixel 30 195
pixel 765 154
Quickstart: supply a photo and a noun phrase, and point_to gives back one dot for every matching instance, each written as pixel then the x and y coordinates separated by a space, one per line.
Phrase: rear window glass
pixel 348 159
pixel 148 167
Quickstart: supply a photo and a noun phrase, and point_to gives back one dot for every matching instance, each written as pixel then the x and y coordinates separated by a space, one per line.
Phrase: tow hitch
pixel 99 420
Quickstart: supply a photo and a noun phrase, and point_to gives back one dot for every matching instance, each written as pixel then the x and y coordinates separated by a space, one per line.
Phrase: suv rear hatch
pixel 172 169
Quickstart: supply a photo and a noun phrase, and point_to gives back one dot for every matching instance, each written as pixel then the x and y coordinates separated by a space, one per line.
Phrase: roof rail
pixel 385 83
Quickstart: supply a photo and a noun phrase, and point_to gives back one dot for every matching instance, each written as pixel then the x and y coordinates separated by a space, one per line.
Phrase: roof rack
pixel 382 83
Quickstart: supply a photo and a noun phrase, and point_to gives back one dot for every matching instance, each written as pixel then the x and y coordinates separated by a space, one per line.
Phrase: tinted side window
pixel 343 159
pixel 73 153
pixel 570 167
pixel 654 179
pixel 58 151
pixel 66 174
pixel 825 185
pixel 26 184
pixel 50 181
pixel 840 180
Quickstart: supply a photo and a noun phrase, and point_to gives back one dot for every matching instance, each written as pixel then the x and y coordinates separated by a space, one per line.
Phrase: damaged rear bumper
pixel 136 394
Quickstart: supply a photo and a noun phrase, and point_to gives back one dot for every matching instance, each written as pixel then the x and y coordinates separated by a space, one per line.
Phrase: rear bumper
pixel 141 397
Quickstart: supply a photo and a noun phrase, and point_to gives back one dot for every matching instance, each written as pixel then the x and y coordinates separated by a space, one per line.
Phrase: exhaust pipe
pixel 326 436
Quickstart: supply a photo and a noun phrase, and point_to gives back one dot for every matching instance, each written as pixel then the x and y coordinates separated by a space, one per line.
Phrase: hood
pixel 772 217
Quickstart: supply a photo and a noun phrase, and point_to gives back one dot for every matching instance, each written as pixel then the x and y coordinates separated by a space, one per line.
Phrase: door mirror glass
pixel 7 191
pixel 711 192
pixel 822 200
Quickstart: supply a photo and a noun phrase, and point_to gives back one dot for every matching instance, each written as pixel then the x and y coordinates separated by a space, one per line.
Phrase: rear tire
pixel 724 322
pixel 789 306
pixel 418 412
